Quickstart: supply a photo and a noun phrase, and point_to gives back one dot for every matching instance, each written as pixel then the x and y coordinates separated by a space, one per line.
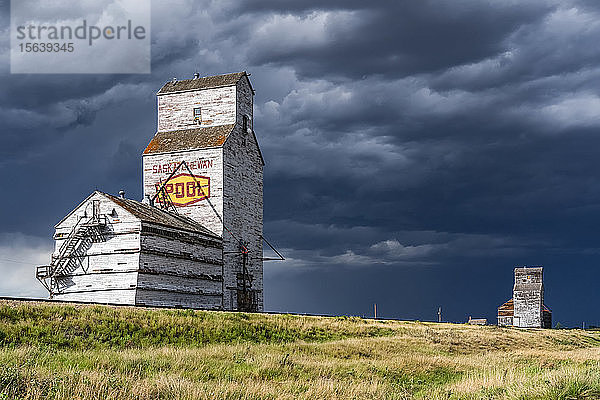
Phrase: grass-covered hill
pixel 58 351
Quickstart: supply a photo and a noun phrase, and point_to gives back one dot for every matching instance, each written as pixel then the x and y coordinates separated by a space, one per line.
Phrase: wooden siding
pixel 176 110
pixel 176 273
pixel 528 297
pixel 243 203
pixel 124 297
pixel 204 162
pixel 87 284
pixel 236 179
pixel 100 271
pixel 184 300
pixel 180 268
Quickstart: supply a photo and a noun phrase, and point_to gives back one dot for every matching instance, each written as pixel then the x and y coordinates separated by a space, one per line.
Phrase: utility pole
pixel 440 314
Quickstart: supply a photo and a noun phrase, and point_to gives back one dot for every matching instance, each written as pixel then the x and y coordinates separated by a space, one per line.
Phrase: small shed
pixel 477 321
pixel 115 250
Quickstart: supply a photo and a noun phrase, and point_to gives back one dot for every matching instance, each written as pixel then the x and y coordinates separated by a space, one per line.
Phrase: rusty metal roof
pixel 155 215
pixel 507 309
pixel 189 139
pixel 509 305
pixel 206 82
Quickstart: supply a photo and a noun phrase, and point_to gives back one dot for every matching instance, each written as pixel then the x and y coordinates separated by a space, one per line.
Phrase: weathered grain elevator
pixel 526 309
pixel 208 123
pixel 196 239
pixel 115 250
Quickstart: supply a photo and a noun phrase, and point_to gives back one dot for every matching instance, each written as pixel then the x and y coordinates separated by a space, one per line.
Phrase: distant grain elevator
pixel 526 309
pixel 204 253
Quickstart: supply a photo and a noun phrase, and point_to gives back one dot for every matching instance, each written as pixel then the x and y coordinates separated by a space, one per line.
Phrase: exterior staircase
pixel 71 252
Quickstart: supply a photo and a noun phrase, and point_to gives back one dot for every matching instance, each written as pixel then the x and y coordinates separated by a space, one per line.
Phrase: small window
pixel 197 114
pixel 245 123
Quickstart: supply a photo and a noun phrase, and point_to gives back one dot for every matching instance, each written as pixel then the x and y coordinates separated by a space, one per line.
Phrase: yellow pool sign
pixel 185 189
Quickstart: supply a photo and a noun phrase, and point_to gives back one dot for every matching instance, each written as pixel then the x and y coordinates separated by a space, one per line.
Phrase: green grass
pixel 82 327
pixel 50 351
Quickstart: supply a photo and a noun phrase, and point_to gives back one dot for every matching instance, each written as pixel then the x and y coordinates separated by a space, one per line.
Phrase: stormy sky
pixel 416 151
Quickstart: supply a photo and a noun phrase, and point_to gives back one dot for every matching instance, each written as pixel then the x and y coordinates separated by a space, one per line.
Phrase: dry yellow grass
pixel 372 360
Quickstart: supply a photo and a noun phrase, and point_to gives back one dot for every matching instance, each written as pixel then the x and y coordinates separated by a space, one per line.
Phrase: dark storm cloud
pixel 560 45
pixel 389 38
pixel 496 149
pixel 420 143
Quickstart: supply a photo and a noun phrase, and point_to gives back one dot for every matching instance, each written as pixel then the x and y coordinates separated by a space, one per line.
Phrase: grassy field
pixel 50 351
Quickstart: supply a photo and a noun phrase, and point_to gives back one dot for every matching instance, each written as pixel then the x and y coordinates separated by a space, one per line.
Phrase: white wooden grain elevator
pixel 196 239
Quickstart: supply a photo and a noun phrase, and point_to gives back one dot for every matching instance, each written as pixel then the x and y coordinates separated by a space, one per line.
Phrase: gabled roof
pixel 147 213
pixel 189 139
pixel 531 270
pixel 206 82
